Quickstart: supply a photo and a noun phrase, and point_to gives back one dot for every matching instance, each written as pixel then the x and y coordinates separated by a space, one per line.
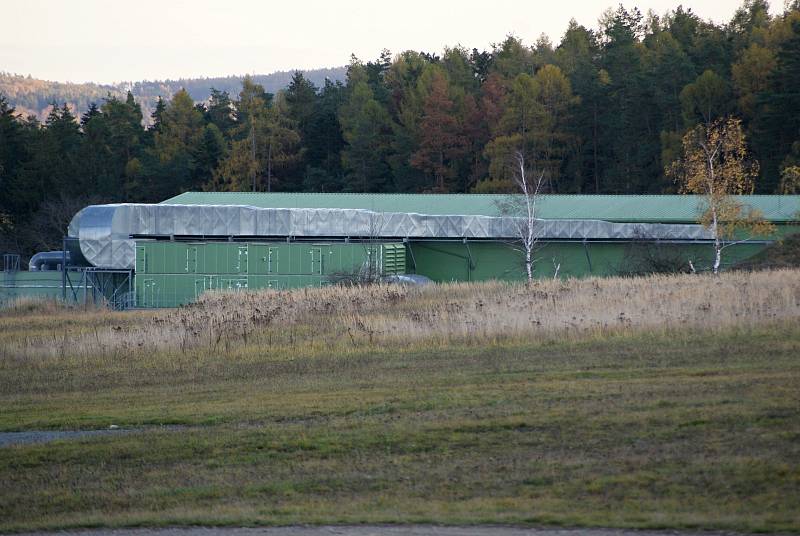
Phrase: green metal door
pixel 241 264
pixel 272 261
pixel 148 293
pixel 191 260
pixel 316 260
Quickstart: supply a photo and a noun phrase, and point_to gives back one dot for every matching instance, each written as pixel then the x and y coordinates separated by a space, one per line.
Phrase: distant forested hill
pixel 31 96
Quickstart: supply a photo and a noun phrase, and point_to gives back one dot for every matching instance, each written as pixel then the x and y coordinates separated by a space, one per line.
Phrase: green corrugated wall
pixel 36 285
pixel 169 274
pixel 479 261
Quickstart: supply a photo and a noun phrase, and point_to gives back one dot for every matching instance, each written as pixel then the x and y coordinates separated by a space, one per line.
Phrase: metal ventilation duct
pixel 48 260
pixel 105 232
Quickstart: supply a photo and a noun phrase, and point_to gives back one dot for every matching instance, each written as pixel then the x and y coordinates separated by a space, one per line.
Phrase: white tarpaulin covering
pixel 105 232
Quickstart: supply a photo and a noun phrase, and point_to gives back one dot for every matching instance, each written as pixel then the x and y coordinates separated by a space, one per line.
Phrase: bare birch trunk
pixel 527 230
pixel 528 265
pixel 715 227
pixel 714 216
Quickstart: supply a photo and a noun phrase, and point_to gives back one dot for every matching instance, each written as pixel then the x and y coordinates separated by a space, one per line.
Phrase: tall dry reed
pixel 338 318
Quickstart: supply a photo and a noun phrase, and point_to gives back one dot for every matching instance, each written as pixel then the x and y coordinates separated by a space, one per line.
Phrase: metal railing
pixel 10 262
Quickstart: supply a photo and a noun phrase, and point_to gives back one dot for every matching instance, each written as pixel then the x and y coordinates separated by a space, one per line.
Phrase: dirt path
pixel 376 530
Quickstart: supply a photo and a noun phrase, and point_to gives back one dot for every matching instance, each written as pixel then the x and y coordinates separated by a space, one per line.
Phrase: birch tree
pixel 715 166
pixel 524 212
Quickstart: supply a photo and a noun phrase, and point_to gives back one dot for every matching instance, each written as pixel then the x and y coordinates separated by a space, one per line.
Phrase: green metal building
pixel 200 241
pixel 237 266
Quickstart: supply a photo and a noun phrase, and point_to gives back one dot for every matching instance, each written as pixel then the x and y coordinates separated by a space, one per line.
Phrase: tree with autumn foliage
pixel 533 123
pixel 442 139
pixel 715 165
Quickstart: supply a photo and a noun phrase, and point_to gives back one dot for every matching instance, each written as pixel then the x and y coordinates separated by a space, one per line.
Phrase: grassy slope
pixel 670 430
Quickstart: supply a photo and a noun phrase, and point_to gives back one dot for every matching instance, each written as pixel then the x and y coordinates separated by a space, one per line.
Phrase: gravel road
pixel 375 530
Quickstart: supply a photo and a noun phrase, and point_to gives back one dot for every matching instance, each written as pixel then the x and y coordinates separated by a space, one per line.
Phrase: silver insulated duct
pixel 106 233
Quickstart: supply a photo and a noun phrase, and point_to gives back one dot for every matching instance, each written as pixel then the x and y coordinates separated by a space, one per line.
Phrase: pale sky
pixel 127 40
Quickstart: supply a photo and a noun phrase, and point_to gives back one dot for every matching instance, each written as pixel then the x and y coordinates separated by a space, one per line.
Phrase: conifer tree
pixel 220 111
pixel 778 124
pixel 157 117
pixel 366 128
pixel 442 140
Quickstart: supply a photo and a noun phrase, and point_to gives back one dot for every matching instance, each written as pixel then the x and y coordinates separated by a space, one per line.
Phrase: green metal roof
pixel 617 208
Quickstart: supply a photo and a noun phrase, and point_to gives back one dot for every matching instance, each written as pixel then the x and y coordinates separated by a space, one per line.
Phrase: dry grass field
pixel 661 402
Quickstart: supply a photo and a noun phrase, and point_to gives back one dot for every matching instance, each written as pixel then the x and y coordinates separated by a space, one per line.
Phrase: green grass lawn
pixel 661 429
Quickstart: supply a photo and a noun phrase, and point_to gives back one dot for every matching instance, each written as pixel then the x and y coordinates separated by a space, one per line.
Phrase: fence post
pixel 64 269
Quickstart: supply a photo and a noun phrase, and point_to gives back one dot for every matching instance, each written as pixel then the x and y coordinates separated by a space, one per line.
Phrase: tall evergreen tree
pixel 265 145
pixel 533 126
pixel 96 156
pixel 630 133
pixel 366 129
pixel 282 146
pixel 669 70
pixel 706 99
pixel 778 124
pixel 123 123
pixel 300 100
pixel 220 111
pixel 64 140
pixel 14 151
pixel 578 55
pixel 90 114
pixel 460 72
pixel 324 141
pixel 751 76
pixel 241 170
pixel 481 62
pixel 512 58
pixel 173 163
pixel 157 117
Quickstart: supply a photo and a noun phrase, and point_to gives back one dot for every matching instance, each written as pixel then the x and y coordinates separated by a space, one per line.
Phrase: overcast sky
pixel 112 41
